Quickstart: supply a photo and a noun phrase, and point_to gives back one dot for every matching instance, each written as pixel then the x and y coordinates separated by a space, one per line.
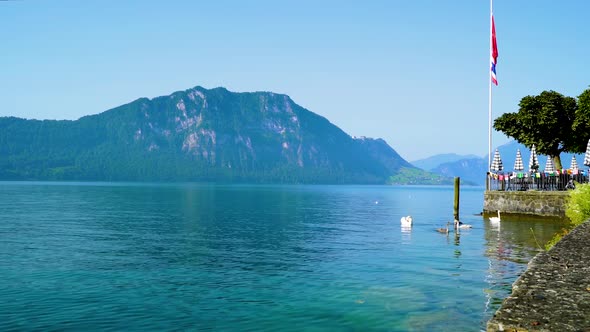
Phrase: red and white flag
pixel 494 55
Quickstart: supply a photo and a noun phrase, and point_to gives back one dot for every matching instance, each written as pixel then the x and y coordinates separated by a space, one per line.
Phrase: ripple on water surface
pixel 100 256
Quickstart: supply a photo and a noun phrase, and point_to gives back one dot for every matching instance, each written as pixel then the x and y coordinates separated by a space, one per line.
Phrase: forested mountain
pixel 197 135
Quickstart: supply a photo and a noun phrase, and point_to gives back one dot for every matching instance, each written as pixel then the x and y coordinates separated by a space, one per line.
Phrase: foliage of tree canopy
pixel 582 120
pixel 553 122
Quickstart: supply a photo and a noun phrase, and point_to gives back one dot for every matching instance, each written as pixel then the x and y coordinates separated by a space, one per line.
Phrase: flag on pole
pixel 494 55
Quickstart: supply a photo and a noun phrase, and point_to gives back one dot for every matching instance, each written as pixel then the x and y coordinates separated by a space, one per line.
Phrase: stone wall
pixel 553 294
pixel 534 203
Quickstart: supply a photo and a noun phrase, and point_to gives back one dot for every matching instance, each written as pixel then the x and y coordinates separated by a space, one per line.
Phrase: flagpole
pixel 490 96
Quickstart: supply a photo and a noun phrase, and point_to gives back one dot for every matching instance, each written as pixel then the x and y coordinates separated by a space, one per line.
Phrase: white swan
pixel 406 221
pixel 461 225
pixel 495 219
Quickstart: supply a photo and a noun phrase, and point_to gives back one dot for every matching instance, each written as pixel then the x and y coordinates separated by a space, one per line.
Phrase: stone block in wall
pixel 534 203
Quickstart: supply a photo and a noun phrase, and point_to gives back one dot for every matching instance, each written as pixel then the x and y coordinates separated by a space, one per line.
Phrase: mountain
pixel 475 169
pixel 197 135
pixel 401 172
pixel 432 162
pixel 471 170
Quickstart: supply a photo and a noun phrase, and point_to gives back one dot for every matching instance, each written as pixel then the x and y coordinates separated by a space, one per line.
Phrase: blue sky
pixel 414 73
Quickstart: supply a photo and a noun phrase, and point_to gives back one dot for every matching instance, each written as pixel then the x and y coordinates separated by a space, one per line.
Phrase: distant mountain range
pixel 473 169
pixel 201 135
pixel 433 162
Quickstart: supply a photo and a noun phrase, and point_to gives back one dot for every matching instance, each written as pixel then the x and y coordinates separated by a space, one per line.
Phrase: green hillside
pixel 196 135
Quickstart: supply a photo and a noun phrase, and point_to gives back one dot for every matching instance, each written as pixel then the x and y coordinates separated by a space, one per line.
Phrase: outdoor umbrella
pixel 574 164
pixel 518 166
pixel 549 166
pixel 497 162
pixel 533 161
pixel 587 157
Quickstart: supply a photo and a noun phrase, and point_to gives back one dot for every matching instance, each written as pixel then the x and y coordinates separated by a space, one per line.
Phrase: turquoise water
pixel 104 256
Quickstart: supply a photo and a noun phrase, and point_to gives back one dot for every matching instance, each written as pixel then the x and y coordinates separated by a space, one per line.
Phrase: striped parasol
pixel 574 164
pixel 497 162
pixel 587 157
pixel 518 166
pixel 533 161
pixel 549 166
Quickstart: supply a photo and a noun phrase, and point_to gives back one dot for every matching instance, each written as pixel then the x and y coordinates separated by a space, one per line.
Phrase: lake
pixel 135 257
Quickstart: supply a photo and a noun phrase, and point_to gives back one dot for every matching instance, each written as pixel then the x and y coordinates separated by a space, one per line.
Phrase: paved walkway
pixel 554 292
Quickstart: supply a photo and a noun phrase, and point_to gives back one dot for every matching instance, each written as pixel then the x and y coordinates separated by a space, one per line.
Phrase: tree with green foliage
pixel 546 120
pixel 581 126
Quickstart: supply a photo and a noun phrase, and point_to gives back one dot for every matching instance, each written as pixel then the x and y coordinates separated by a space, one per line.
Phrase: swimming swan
pixel 495 219
pixel 406 221
pixel 461 225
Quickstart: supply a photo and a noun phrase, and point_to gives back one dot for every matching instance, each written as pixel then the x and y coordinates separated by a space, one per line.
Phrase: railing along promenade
pixel 540 181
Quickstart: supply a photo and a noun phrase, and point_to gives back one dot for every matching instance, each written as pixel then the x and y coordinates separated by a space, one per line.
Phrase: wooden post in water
pixel 456 202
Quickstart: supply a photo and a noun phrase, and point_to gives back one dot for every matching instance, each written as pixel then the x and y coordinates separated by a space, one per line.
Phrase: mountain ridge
pixel 196 135
pixel 429 163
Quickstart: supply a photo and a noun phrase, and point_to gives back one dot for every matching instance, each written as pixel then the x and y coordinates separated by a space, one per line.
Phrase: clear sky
pixel 413 72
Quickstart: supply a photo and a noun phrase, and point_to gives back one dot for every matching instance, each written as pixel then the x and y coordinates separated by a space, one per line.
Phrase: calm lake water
pixel 113 256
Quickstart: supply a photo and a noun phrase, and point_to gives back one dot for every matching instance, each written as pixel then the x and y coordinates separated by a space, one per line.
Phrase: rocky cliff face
pixel 197 134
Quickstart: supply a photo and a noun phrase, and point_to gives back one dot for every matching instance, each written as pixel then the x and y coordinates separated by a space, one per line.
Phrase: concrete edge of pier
pixel 553 294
